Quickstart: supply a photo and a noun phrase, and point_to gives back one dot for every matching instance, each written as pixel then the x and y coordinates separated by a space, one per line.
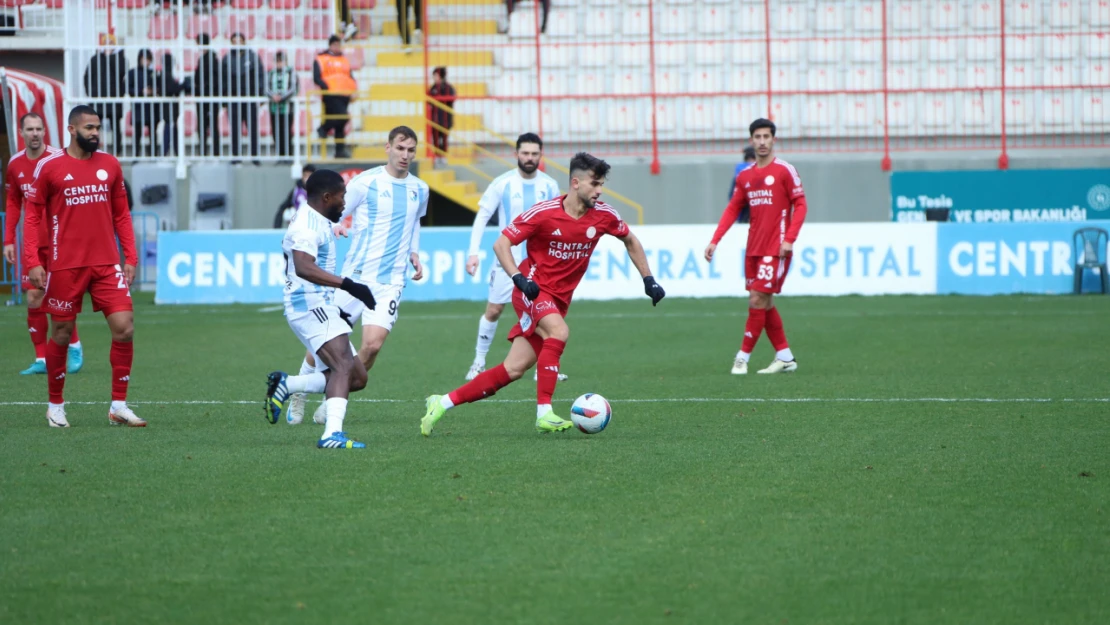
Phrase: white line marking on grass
pixel 270 309
pixel 662 400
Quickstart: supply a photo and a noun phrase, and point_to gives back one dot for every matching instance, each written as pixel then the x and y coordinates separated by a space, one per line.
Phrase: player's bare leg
pixel 122 326
pixel 555 333
pixel 487 329
pixel 345 375
pixel 373 339
pixel 521 358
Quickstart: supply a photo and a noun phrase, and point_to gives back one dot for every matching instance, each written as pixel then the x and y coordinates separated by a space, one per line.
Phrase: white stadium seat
pixel 821 115
pixel 668 81
pixel 587 83
pixel 826 51
pixel 664 117
pixel 582 118
pixel 784 78
pixel 704 81
pixel 601 22
pixel 1020 112
pixel 515 84
pixel 629 83
pixel 830 17
pixel 634 54
pixel 945 16
pixel 562 23
pixel 1063 14
pixel 943 49
pixel 789 17
pixel 864 77
pixel 868 17
pixel 553 83
pixel 622 116
pixel 737 113
pixel 903 50
pixel 1023 47
pixel 670 53
pixel 1094 108
pixel 901 111
pixel 556 55
pixel 674 21
pixel 522 24
pixel 750 20
pixel 748 52
pixel 1096 74
pixel 981 75
pixel 714 21
pixel 905 15
pixel 984 15
pixel 679 1
pixel 1098 12
pixel 747 80
pixel 517 57
pixel 506 117
pixel 635 22
pixel 1058 74
pixel 595 54
pixel 787 50
pixel 710 53
pixel 1019 75
pixel 551 116
pixel 979 113
pixel 698 116
pixel 940 76
pixel 1098 46
pixel 821 78
pixel 937 111
pixel 862 114
pixel 903 76
pixel 1024 15
pixel 782 113
pixel 1057 110
pixel 1060 47
pixel 983 48
pixel 866 50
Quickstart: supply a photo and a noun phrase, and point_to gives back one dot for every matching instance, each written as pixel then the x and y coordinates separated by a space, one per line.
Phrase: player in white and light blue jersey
pixel 509 195
pixel 310 309
pixel 386 203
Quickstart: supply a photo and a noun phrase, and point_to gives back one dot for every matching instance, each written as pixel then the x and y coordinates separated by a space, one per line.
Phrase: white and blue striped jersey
pixel 309 232
pixel 386 225
pixel 509 195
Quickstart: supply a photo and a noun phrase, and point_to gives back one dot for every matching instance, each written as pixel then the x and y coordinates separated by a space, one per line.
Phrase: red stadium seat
pixel 286 5
pixel 307 85
pixel 56 4
pixel 354 57
pixel 190 122
pixel 244 24
pixel 131 4
pixel 162 26
pixel 264 126
pixel 11 4
pixel 321 5
pixel 279 27
pixel 303 127
pixel 357 5
pixel 246 4
pixel 317 27
pixel 189 60
pixel 302 60
pixel 225 126
pixel 198 24
pixel 363 21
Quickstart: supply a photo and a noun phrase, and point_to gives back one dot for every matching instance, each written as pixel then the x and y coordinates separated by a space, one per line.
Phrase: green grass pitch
pixel 934 460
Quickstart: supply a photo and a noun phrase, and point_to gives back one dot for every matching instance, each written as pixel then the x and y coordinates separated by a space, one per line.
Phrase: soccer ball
pixel 591 413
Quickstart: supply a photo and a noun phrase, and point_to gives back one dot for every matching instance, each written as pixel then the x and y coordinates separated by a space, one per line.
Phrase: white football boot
pixel 125 416
pixel 295 414
pixel 562 377
pixel 739 367
pixel 56 416
pixel 780 366
pixel 475 369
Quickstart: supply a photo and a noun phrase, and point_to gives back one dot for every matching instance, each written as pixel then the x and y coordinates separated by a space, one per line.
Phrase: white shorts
pixel 384 315
pixel 316 327
pixel 500 286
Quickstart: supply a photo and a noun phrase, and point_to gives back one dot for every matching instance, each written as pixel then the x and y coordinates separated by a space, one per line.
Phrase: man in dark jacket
pixel 140 85
pixel 207 84
pixel 297 197
pixel 244 77
pixel 106 77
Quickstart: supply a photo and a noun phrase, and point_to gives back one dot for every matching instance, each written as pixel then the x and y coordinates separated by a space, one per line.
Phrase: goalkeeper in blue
pixel 310 284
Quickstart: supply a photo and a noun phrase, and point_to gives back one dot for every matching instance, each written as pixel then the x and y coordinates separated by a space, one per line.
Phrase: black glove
pixel 653 290
pixel 360 291
pixel 530 289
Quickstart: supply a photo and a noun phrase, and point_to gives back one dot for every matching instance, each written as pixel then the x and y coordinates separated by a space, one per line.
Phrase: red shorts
pixel 766 273
pixel 530 312
pixel 65 291
pixel 44 256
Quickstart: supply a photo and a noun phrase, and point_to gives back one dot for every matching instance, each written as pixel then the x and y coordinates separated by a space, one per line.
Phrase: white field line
pixel 666 400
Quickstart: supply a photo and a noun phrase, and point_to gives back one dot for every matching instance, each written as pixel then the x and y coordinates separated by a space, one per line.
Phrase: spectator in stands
pixel 207 84
pixel 444 93
pixel 141 84
pixel 347 25
pixel 410 23
pixel 169 87
pixel 749 160
pixel 106 77
pixel 244 77
pixel 281 86
pixel 511 4
pixel 297 198
pixel 332 72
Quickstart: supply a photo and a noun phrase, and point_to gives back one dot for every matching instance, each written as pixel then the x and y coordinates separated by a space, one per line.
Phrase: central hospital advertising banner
pixel 247 266
pixel 1010 196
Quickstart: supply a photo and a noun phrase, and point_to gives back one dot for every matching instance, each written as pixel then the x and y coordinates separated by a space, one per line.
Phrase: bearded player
pixel 561 235
pixel 21 170
pixel 79 194
pixel 773 192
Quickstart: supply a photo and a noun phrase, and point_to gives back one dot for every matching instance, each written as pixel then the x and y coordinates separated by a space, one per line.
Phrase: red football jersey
pixel 21 172
pixel 560 246
pixel 84 206
pixel 769 192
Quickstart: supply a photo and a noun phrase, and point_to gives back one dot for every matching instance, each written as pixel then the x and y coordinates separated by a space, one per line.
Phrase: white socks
pixel 117 405
pixel 306 368
pixel 311 383
pixel 336 408
pixel 785 355
pixel 542 409
pixel 446 402
pixel 486 330
pixel 741 355
pixel 75 345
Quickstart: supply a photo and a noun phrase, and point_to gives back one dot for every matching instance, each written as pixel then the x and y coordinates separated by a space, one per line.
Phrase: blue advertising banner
pixel 1011 196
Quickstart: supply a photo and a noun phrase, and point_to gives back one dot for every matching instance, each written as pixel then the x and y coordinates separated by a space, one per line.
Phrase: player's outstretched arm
pixel 307 269
pixel 639 259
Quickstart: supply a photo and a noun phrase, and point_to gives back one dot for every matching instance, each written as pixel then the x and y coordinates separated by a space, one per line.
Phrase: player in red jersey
pixel 79 194
pixel 773 191
pixel 18 178
pixel 561 234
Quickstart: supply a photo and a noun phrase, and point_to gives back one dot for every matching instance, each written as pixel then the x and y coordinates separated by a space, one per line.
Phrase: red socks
pixel 485 385
pixel 121 356
pixel 39 327
pixel 73 338
pixel 775 331
pixel 56 370
pixel 547 370
pixel 757 318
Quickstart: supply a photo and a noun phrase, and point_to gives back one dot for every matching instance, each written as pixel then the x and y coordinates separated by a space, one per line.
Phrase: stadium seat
pixel 670 53
pixel 1023 15
pixel 943 49
pixel 317 27
pixel 265 127
pixel 905 15
pixel 867 17
pixel 748 52
pixel 612 3
pixel 515 84
pixel 937 112
pixel 674 21
pixel 821 78
pixel 562 23
pixel 669 82
pixel 789 17
pixel 628 83
pixel 1094 108
pixel 302 128
pixel 981 75
pixel 679 1
pixel 748 80
pixel 710 53
pixel 1023 47
pixel 830 17
pixel 984 15
pixel 634 55
pixel 303 59
pixel 866 50
pixel 1098 13
pixel 1098 46
pixel 189 60
pixel 621 116
pixel 1058 75
pixel 601 23
pixel 901 114
pixel 516 56
pixel 1096 74
pixel 244 24
pixel 1057 111
pixel 582 118
pixel 940 76
pixel 55 4
pixel 1063 14
pixel 635 22
pixel 1060 47
pixel 945 16
pixel 306 85
pixel 506 117
pixel 863 78
pixel 588 83
pixel 321 5
pixel 979 113
pixel 225 125
pixel 750 20
pixel 983 48
pixel 552 115
pixel 664 117
pixel 1019 74
pixel 595 55
pixel 556 55
pixel 189 121
pixel 279 27
pixel 285 5
pixel 162 26
pixel 698 116
pixel 713 21
pixel 737 113
pixel 782 113
pixel 522 24
pixel 553 84
pixel 704 81
pixel 1019 111
pixel 861 114
pixel 903 50
pixel 125 4
pixel 826 51
pixel 903 76
pixel 787 50
pixel 246 5
pixel 784 78
pixel 821 115
pixel 355 58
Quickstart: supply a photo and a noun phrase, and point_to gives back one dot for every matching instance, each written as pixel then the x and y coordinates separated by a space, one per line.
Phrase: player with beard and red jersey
pixel 79 194
pixel 561 234
pixel 772 189
pixel 18 178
